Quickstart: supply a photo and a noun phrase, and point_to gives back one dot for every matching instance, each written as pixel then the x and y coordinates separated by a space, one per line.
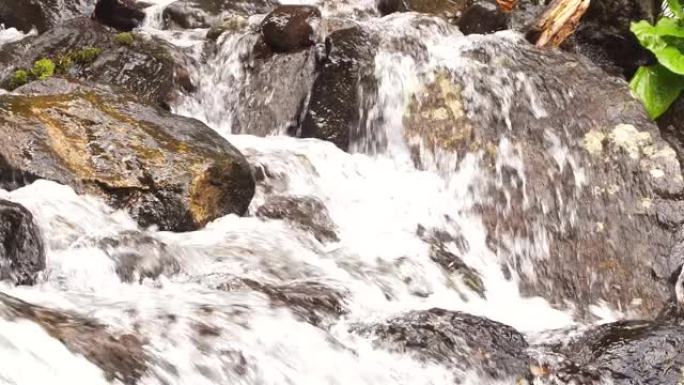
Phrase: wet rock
pixel 190 14
pixel 148 67
pixel 274 92
pixel 139 256
pixel 334 112
pixel 290 28
pixel 312 301
pixel 42 15
pixel 631 352
pixel 123 15
pixel 306 213
pixel 121 357
pixel 22 252
pixel 460 340
pixel 599 233
pixel 483 17
pixel 166 170
pixel 445 249
pixel 449 9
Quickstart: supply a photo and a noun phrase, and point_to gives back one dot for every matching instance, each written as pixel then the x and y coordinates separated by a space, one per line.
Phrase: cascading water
pixel 199 333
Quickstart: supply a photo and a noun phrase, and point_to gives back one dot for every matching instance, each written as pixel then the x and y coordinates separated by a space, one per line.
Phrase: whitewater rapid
pixel 375 196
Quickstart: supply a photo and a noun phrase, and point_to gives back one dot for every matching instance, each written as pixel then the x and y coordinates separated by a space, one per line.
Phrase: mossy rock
pixel 85 50
pixel 166 170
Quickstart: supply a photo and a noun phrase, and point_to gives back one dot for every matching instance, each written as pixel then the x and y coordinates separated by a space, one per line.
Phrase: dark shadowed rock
pixel 22 253
pixel 207 13
pixel 459 340
pixel 307 213
pixel 386 7
pixel 123 15
pixel 291 27
pixel 121 357
pixel 312 301
pixel 167 170
pixel 42 15
pixel 483 17
pixel 148 67
pixel 139 256
pixel 334 112
pixel 631 352
pixel 603 34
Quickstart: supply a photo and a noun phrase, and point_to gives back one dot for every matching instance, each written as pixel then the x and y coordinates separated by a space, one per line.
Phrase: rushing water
pixel 376 198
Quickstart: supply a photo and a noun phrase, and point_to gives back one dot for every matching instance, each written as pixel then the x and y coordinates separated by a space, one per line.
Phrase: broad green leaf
pixel 657 87
pixel 676 7
pixel 665 40
pixel 666 26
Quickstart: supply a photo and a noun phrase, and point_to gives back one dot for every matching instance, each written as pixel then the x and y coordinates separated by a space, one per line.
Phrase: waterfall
pixel 380 197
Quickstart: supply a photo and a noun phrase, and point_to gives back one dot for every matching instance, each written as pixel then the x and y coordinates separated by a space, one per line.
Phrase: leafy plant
pixel 659 85
pixel 124 38
pixel 19 78
pixel 43 69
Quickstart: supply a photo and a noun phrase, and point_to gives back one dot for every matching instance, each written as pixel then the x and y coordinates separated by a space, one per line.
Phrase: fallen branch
pixel 559 21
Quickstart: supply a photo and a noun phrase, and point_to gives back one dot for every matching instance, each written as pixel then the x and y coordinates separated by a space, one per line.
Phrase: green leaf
pixel 665 40
pixel 657 87
pixel 676 7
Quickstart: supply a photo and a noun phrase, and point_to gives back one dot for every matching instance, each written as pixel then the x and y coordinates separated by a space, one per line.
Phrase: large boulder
pixel 605 230
pixel 166 170
pixel 121 357
pixel 86 50
pixel 42 15
pixel 579 193
pixel 191 14
pixel 22 252
pixel 460 340
pixel 291 27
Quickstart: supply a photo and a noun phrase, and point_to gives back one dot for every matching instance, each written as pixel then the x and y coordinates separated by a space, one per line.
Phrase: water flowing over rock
pixel 121 357
pixel 461 340
pixel 346 74
pixel 139 256
pixel 207 13
pixel 22 253
pixel 307 213
pixel 449 9
pixel 166 170
pixel 148 67
pixel 528 117
pixel 404 204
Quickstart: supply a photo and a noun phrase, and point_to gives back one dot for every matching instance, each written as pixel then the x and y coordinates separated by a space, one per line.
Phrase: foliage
pixel 43 69
pixel 19 78
pixel 125 38
pixel 659 85
pixel 85 55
